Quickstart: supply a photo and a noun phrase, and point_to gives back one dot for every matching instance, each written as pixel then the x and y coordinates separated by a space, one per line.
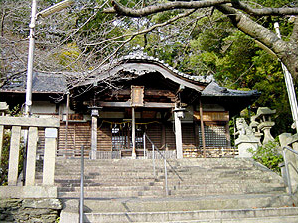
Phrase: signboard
pixel 137 96
pixel 213 116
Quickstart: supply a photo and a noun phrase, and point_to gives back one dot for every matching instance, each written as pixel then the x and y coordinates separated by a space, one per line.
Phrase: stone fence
pixel 31 125
pixel 287 139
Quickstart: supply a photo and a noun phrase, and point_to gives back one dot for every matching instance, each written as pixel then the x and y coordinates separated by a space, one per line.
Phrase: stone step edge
pixel 221 214
pixel 275 219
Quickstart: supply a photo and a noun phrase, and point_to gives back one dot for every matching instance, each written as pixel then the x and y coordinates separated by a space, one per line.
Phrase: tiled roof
pixel 41 82
pixel 140 55
pixel 213 89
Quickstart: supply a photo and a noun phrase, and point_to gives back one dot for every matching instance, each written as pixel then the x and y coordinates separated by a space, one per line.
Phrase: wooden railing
pixel 27 127
pixel 211 152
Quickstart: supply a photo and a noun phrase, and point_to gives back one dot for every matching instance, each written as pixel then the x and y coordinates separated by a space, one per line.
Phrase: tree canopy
pixel 218 37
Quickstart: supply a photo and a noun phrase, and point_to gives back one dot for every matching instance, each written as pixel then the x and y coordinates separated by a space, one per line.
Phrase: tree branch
pixel 281 48
pixel 126 11
pixel 263 11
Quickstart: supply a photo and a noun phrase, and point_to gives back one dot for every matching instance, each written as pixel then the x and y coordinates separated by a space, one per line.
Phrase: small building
pixel 132 104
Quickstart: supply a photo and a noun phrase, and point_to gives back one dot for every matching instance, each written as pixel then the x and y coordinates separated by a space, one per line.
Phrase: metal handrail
pixel 165 164
pixel 286 166
pixel 82 186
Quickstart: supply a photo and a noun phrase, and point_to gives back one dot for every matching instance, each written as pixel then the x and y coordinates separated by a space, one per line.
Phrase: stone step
pixel 160 191
pixel 207 175
pixel 188 203
pixel 275 219
pixel 113 194
pixel 175 190
pixel 111 188
pixel 105 184
pixel 190 215
pixel 198 163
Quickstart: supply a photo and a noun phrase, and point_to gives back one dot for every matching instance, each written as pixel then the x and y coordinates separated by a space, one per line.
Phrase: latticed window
pixel 121 138
pixel 215 136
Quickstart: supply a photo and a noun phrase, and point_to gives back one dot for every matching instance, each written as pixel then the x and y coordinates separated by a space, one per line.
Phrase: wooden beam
pixel 127 104
pixel 148 92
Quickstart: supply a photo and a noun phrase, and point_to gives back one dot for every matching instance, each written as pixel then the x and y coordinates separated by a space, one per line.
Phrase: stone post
pixel 14 155
pixel 31 156
pixel 244 143
pixel 94 114
pixel 286 139
pixel 246 139
pixel 178 114
pixel 51 135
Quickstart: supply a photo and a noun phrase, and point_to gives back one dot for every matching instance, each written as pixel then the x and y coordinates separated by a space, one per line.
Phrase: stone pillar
pixel 31 156
pixel 178 114
pixel 286 139
pixel 265 127
pixel 51 135
pixel 94 114
pixel 14 155
pixel 244 143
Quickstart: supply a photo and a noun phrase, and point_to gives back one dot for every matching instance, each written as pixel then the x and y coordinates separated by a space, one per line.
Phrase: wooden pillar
pixel 163 136
pixel 1 139
pixel 178 135
pixel 66 124
pixel 203 129
pixel 93 136
pixel 133 134
pixel 228 134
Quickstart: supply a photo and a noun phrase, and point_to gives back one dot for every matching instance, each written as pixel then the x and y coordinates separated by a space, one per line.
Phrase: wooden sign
pixel 137 96
pixel 213 116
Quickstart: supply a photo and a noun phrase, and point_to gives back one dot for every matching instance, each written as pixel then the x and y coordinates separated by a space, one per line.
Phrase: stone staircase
pixel 200 190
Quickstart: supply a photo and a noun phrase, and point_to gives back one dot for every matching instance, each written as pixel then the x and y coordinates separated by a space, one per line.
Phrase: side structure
pixel 17 126
pixel 249 136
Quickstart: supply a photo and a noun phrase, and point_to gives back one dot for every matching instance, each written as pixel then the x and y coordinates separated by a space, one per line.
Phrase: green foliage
pixel 5 158
pixel 268 156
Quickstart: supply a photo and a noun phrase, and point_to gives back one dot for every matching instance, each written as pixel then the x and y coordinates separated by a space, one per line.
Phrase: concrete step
pixel 112 188
pixel 152 191
pixel 186 203
pixel 190 215
pixel 113 194
pixel 275 219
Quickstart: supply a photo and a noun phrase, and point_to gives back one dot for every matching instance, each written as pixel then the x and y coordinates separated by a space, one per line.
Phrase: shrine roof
pixel 41 83
pixel 136 62
pixel 213 89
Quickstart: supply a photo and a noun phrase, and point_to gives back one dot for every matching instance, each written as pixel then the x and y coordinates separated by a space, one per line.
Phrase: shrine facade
pixel 131 105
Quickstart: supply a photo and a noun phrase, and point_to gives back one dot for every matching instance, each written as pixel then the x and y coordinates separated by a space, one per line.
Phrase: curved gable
pixel 140 64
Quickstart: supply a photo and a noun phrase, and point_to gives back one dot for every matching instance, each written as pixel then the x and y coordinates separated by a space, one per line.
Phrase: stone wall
pixel 29 210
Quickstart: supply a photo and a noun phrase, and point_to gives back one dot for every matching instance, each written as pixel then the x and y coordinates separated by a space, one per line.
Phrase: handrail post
pixel 166 178
pixel 82 186
pixel 153 157
pixel 144 144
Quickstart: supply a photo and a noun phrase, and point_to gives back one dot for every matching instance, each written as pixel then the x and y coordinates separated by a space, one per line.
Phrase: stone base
pixel 28 192
pixel 29 210
pixel 244 143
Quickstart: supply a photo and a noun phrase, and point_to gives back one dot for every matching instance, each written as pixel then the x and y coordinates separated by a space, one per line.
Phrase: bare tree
pixel 242 15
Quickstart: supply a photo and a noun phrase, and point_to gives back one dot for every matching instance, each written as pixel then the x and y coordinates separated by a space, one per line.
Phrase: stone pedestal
pixel 244 143
pixel 265 127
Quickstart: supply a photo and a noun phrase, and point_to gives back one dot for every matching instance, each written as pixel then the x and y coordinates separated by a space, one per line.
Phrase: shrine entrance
pixel 122 138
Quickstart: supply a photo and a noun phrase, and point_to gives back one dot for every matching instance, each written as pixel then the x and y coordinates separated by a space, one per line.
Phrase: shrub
pixel 268 155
